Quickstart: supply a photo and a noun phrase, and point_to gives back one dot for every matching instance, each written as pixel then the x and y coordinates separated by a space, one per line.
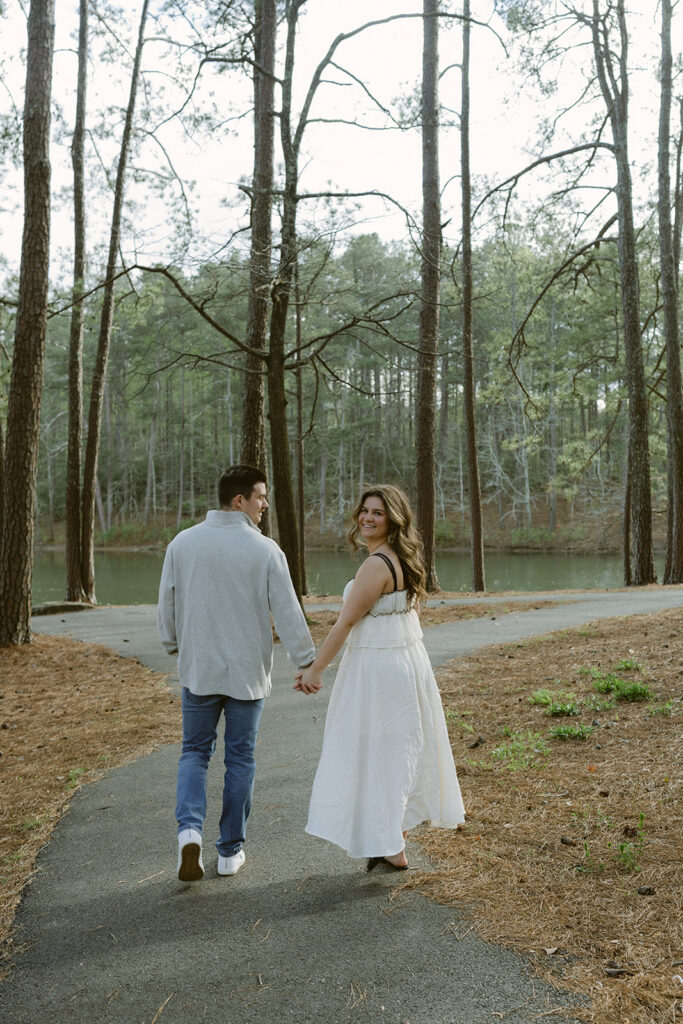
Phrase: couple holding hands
pixel 386 762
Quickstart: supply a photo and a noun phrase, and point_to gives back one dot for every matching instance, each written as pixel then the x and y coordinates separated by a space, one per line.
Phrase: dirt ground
pixel 571 849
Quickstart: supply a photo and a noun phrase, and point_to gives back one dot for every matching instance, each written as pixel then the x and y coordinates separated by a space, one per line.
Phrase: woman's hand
pixel 308 680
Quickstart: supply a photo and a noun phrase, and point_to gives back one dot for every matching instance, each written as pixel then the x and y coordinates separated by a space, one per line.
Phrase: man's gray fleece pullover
pixel 220 583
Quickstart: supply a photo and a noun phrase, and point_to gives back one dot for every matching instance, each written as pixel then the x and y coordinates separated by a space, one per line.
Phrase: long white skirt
pixel 386 763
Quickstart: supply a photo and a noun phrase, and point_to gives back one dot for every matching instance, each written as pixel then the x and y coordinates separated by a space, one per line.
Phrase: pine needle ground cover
pixel 320 622
pixel 568 750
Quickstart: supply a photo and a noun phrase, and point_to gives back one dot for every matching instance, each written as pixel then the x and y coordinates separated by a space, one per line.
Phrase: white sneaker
pixel 190 865
pixel 231 865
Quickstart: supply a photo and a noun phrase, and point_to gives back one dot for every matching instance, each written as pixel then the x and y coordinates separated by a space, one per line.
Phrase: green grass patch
pixel 633 691
pixel 663 709
pixel 594 703
pixel 628 665
pixel 555 702
pixel 523 750
pixel 73 777
pixel 459 720
pixel 622 689
pixel 560 707
pixel 571 732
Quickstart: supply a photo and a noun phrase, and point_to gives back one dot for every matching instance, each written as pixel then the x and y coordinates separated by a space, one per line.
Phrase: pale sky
pixel 388 59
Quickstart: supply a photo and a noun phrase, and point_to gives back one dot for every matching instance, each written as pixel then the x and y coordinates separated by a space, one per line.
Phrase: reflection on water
pixel 132 577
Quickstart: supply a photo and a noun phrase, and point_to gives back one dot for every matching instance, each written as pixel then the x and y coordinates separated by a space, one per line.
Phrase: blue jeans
pixel 200 723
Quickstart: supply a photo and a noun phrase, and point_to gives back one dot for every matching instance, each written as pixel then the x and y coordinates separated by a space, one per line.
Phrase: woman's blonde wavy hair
pixel 402 537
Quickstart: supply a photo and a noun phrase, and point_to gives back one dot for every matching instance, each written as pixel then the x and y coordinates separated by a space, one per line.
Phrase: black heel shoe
pixel 374 861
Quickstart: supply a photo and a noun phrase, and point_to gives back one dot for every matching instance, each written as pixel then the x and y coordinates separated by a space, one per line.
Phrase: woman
pixel 386 763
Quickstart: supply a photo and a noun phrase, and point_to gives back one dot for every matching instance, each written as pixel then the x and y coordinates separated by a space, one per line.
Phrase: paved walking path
pixel 301 933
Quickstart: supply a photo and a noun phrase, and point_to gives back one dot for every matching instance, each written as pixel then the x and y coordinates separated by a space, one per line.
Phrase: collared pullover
pixel 220 583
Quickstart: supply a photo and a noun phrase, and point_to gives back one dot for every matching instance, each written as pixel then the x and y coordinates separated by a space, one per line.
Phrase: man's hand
pixel 307 681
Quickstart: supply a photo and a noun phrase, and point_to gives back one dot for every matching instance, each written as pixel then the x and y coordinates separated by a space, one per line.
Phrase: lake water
pixel 132 577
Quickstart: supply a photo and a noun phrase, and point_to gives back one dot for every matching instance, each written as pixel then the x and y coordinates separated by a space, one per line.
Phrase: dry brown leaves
pixel 552 857
pixel 69 712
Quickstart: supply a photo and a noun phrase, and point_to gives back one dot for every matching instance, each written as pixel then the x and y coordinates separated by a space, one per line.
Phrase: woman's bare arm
pixel 369 584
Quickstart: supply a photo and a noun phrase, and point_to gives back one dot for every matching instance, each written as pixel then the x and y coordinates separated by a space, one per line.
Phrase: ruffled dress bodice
pixel 391 622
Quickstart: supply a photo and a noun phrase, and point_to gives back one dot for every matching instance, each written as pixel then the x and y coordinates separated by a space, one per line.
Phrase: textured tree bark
pixel 2 481
pixel 283 491
pixel 277 399
pixel 425 398
pixel 253 445
pixel 474 486
pixel 104 339
pixel 673 569
pixel 614 86
pixel 300 466
pixel 74 584
pixel 23 415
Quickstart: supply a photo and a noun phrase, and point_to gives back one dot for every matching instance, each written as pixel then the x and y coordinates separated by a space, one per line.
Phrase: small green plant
pixel 604 682
pixel 555 702
pixel 633 691
pixel 73 777
pixel 523 750
pixel 30 823
pixel 623 689
pixel 594 703
pixel 627 857
pixel 628 665
pixel 663 709
pixel 460 721
pixel 571 732
pixel 560 707
pixel 546 697
pixel 628 853
pixel 589 866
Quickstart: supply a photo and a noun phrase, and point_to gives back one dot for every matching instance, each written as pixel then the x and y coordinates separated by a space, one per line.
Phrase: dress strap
pixel 385 558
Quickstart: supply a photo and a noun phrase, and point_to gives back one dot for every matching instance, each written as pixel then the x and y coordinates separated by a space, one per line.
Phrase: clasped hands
pixel 307 680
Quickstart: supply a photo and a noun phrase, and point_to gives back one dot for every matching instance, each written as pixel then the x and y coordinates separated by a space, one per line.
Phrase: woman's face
pixel 373 521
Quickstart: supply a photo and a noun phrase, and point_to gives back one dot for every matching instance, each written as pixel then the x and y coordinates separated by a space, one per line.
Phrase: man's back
pixel 221 581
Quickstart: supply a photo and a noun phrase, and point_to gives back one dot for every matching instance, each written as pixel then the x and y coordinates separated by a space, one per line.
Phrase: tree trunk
pixel 628 575
pixel 614 87
pixel 288 535
pixel 678 195
pixel 104 339
pixel 425 414
pixel 253 410
pixel 300 467
pixel 23 414
pixel 191 446
pixel 150 487
pixel 673 570
pixel 285 510
pixel 474 487
pixel 2 480
pixel 74 585
pixel 181 451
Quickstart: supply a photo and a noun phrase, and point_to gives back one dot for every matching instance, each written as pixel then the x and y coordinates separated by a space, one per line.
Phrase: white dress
pixel 386 763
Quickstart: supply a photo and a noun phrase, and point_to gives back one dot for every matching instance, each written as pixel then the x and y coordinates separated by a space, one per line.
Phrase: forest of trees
pixel 512 361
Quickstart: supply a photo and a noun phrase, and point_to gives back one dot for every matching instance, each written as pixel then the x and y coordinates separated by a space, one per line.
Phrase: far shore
pixel 341 549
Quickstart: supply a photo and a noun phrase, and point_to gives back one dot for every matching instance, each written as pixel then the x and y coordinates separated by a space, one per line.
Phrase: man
pixel 220 583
